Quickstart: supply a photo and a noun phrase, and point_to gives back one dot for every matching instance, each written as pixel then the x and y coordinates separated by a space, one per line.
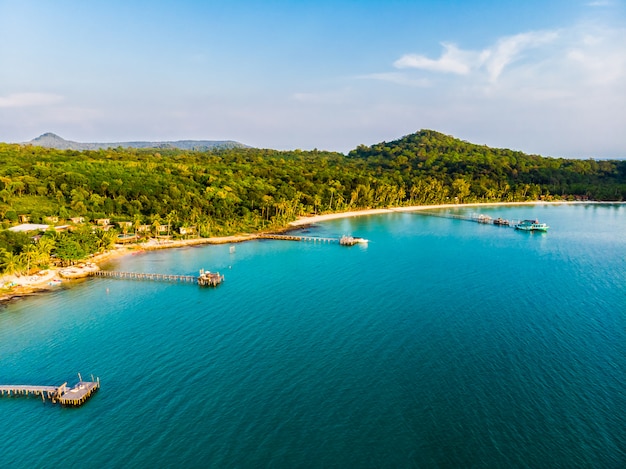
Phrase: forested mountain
pixel 230 190
pixel 50 140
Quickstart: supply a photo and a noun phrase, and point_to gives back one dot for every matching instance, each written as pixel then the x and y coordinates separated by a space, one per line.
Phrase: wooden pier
pixel 343 241
pixel 477 218
pixel 312 239
pixel 74 396
pixel 206 278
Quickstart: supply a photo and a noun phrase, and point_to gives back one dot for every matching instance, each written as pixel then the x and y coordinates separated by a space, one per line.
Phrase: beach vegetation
pixel 233 190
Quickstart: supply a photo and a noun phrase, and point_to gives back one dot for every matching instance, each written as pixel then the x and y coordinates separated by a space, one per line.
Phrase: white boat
pixel 531 225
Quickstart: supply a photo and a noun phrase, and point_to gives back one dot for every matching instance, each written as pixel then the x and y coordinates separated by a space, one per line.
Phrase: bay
pixel 441 343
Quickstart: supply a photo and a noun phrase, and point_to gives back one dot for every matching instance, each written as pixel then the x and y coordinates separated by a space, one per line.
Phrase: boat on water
pixel 501 222
pixel 531 225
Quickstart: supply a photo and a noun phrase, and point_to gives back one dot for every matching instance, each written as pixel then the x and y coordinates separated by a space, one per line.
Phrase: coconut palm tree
pixel 44 246
pixel 11 263
pixel 29 256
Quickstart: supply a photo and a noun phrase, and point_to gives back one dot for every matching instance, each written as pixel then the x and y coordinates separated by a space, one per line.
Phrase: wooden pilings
pixel 79 394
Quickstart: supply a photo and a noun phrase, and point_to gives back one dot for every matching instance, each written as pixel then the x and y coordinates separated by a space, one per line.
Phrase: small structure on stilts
pixel 73 397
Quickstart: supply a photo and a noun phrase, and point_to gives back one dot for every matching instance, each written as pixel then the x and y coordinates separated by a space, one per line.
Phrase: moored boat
pixel 531 225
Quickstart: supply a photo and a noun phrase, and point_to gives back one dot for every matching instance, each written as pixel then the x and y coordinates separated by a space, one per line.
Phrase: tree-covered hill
pixel 241 189
pixel 498 173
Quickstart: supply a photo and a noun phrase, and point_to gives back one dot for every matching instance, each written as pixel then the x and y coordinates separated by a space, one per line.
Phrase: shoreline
pixel 309 220
pixel 48 280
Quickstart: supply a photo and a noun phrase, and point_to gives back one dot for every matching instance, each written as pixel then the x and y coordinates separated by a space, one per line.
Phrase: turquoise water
pixel 443 343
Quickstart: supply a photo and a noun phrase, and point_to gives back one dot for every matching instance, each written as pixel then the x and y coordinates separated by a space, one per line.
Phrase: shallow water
pixel 441 343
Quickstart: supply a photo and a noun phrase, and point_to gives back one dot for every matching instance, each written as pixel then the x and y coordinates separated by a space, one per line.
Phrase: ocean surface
pixel 442 343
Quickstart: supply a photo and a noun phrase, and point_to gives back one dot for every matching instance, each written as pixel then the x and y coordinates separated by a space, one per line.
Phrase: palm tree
pixel 136 223
pixel 12 263
pixel 156 224
pixel 171 217
pixel 29 256
pixel 45 245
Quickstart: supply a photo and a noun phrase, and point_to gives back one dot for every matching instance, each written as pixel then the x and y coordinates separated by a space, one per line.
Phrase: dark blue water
pixel 443 343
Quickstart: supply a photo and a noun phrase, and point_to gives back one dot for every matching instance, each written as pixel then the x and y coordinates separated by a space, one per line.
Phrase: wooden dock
pixel 74 396
pixel 205 278
pixel 312 239
pixel 477 218
pixel 343 241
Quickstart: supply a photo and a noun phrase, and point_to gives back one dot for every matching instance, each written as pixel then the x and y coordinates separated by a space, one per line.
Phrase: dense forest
pixel 233 190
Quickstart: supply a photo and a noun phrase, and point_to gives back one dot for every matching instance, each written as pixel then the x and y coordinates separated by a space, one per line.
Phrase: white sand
pixel 357 213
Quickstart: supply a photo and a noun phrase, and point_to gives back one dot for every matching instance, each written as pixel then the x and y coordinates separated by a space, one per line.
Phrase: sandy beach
pixel 13 287
pixel 413 208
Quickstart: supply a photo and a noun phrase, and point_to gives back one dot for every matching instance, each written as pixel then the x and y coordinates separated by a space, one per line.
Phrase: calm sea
pixel 442 343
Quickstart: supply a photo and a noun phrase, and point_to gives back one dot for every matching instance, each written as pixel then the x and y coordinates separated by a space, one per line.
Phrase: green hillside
pixel 241 189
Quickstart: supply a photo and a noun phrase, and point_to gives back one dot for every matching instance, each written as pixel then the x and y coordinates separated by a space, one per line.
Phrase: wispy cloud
pixel 19 100
pixel 453 60
pixel 509 49
pixel 493 59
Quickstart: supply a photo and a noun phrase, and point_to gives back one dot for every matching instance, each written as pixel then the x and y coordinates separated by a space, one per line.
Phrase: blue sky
pixel 545 77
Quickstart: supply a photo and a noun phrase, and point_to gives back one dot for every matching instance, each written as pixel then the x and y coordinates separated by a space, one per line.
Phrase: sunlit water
pixel 443 343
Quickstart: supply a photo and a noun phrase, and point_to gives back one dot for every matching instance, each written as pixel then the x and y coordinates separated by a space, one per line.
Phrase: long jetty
pixel 313 239
pixel 74 396
pixel 211 279
pixel 477 218
pixel 343 241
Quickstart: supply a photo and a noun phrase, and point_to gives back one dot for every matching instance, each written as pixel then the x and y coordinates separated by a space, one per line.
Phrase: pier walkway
pixel 205 278
pixel 477 218
pixel 313 239
pixel 343 241
pixel 75 396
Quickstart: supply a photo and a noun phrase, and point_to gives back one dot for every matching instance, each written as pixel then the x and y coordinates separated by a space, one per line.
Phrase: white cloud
pixel 509 49
pixel 599 58
pixel 453 60
pixel 19 100
pixel 493 59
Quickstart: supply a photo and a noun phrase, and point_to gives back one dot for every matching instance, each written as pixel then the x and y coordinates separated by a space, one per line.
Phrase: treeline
pixel 244 189
pixel 19 254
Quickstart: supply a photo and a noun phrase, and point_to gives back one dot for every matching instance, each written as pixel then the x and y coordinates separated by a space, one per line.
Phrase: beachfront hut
pixel 187 230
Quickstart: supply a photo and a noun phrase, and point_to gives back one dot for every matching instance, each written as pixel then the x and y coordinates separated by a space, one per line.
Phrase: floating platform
pixel 73 397
pixel 351 241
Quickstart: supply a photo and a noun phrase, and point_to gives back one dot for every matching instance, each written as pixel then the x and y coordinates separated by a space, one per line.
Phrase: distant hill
pixel 50 140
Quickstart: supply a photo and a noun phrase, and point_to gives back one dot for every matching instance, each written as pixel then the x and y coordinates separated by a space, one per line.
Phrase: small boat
pixel 501 222
pixel 531 225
